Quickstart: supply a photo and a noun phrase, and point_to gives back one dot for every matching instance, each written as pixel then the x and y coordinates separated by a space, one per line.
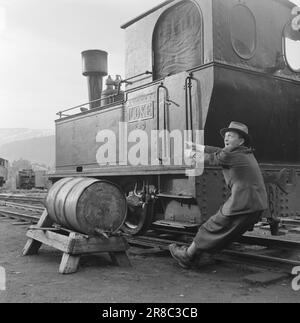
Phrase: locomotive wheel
pixel 139 219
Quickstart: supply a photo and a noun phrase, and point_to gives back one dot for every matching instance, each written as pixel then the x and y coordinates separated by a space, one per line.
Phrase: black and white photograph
pixel 149 154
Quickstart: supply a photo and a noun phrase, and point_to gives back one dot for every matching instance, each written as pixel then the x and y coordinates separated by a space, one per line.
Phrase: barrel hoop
pixel 75 182
pixel 52 197
pixel 79 192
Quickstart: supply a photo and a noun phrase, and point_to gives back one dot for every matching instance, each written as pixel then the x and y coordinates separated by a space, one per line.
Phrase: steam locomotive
pixel 3 171
pixel 192 67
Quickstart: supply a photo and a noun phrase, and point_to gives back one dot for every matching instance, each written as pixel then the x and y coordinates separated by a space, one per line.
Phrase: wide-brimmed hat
pixel 240 128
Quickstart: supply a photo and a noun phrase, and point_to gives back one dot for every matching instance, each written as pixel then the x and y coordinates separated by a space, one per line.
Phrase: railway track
pixel 284 256
pixel 256 248
pixel 32 200
pixel 19 216
pixel 24 213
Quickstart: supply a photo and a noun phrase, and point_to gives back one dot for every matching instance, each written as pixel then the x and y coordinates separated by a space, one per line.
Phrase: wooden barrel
pixel 87 205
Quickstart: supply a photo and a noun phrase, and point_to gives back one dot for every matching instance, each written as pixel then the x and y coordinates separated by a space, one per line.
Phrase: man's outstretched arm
pixel 211 156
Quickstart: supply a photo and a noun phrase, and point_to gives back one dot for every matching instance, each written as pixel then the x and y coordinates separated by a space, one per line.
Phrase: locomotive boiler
pixel 192 67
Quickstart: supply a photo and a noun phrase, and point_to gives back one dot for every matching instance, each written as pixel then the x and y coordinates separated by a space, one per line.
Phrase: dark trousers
pixel 221 230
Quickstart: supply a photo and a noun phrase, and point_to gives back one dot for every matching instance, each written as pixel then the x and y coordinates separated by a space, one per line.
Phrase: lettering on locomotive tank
pixel 141 108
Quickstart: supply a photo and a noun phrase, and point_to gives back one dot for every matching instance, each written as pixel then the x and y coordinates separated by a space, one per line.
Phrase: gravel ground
pixel 152 279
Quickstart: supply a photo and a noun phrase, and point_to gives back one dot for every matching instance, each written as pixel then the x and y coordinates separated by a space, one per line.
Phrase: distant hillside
pixel 19 134
pixel 37 150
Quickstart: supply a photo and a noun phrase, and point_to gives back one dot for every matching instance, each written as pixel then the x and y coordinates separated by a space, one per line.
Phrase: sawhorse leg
pixel 32 247
pixel 69 264
pixel 120 259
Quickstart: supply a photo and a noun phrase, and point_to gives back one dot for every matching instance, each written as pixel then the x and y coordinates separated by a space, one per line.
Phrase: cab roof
pixel 288 3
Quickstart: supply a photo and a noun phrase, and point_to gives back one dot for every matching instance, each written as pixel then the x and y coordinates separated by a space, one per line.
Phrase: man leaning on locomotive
pixel 246 204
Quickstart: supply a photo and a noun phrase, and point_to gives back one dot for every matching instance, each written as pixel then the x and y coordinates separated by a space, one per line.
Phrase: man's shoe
pixel 181 256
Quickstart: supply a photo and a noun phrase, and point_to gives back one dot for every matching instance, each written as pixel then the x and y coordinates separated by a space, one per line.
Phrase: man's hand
pixel 195 146
pixel 195 156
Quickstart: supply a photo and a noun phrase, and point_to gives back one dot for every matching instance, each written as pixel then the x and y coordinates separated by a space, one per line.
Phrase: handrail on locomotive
pixel 127 81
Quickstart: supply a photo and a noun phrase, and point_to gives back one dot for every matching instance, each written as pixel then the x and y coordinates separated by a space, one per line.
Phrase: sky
pixel 40 53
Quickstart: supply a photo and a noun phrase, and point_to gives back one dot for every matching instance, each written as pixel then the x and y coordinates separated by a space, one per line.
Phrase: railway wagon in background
pixel 3 171
pixel 41 179
pixel 28 179
pixel 191 66
pixel 25 179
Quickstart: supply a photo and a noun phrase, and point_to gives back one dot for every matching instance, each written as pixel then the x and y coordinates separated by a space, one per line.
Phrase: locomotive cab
pixel 191 66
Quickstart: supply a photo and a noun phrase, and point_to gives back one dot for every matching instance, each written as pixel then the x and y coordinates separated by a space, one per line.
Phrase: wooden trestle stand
pixel 74 245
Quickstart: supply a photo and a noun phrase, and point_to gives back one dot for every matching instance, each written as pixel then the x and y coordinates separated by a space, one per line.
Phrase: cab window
pixel 177 40
pixel 243 31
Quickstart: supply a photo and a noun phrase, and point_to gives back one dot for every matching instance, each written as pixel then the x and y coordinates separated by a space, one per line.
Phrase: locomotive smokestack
pixel 94 65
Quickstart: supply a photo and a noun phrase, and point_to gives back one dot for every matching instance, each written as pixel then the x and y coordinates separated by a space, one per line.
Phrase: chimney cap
pixel 94 62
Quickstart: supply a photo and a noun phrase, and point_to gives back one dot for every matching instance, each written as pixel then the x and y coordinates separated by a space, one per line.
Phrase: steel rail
pixel 24 206
pixel 270 241
pixel 249 238
pixel 36 200
pixel 33 198
pixel 227 255
pixel 21 216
